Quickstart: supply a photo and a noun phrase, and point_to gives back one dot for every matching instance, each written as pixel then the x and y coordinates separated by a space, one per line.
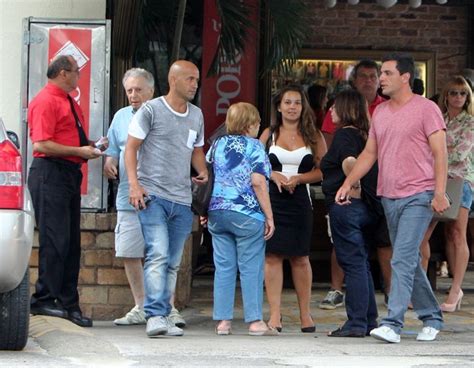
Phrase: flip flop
pixel 270 331
pixel 224 331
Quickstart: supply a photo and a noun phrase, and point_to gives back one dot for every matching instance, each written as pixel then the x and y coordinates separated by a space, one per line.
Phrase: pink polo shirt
pixel 406 164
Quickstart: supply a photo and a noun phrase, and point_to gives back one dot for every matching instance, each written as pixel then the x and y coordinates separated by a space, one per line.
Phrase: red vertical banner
pixel 78 43
pixel 236 82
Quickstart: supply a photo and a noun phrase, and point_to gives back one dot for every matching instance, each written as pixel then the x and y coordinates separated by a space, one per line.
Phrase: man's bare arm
pixel 437 142
pixel 137 192
pixel 198 161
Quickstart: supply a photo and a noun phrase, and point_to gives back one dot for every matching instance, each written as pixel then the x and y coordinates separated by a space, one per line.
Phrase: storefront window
pixel 332 69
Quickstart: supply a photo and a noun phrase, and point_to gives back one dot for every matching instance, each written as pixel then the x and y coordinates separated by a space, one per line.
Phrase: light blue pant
pixel 407 220
pixel 238 243
pixel 165 226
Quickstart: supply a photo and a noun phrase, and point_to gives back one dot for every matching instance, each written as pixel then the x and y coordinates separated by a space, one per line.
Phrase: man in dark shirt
pixel 60 147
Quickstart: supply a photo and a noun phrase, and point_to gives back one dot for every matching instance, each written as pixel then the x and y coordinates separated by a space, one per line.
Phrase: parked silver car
pixel 16 241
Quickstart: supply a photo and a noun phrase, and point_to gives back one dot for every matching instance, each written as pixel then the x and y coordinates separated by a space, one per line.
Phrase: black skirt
pixel 293 217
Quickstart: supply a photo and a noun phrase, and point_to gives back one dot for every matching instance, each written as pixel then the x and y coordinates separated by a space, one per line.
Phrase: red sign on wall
pixel 76 42
pixel 237 82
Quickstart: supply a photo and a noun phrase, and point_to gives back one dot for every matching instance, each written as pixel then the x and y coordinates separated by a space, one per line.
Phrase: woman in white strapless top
pixel 295 149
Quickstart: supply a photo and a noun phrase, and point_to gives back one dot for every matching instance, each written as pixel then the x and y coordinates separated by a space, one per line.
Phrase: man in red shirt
pixel 365 79
pixel 60 147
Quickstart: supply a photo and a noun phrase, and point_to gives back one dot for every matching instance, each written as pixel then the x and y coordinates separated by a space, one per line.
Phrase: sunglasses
pixel 456 93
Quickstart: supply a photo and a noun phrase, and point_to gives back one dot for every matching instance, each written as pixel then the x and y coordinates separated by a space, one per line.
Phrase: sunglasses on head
pixel 456 93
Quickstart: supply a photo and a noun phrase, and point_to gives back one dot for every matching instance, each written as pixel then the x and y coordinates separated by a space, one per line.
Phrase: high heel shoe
pixel 445 307
pixel 309 329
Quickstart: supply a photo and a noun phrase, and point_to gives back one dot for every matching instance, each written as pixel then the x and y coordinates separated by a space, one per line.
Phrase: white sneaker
pixel 135 317
pixel 176 318
pixel 173 330
pixel 157 325
pixel 385 333
pixel 427 334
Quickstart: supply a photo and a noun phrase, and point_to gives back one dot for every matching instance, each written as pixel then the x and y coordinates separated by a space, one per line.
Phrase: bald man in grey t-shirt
pixel 165 136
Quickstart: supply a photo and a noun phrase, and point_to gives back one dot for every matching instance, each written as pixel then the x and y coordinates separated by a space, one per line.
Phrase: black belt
pixel 61 161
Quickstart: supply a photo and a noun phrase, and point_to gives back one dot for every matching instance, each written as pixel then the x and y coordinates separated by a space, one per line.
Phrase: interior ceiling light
pixel 353 2
pixel 441 1
pixel 331 3
pixel 415 3
pixel 387 3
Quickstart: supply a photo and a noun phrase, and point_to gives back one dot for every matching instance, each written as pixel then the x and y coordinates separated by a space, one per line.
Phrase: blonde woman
pixel 457 106
pixel 240 219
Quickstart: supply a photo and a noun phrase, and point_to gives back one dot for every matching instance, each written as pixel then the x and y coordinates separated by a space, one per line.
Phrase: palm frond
pixel 288 27
pixel 235 24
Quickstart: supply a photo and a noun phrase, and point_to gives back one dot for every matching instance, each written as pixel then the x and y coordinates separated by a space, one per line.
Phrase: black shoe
pixel 48 310
pixel 345 333
pixel 77 318
pixel 309 329
pixel 370 328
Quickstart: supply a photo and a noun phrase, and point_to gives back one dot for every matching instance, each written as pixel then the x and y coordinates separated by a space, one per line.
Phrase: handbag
pixel 202 192
pixel 453 192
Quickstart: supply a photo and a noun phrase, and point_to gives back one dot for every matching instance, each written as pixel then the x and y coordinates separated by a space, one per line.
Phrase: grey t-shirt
pixel 169 138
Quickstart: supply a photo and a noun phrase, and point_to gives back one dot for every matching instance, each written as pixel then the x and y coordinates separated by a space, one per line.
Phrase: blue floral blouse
pixel 236 158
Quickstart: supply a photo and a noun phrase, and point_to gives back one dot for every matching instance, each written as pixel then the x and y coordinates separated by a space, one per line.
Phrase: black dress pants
pixel 54 185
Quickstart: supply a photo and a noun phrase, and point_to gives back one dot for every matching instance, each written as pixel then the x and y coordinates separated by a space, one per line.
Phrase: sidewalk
pixel 57 343
pixel 460 321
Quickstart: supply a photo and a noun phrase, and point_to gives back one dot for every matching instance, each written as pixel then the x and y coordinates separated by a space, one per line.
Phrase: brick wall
pixel 367 26
pixel 103 286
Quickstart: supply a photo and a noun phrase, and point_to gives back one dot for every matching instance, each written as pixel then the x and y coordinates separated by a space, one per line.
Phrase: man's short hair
pixel 139 72
pixel 62 62
pixel 365 63
pixel 405 63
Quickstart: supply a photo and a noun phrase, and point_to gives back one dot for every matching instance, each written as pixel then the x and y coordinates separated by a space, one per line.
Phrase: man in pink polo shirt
pixel 408 138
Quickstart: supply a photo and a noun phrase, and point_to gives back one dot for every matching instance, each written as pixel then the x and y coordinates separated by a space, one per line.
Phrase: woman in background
pixel 457 106
pixel 318 98
pixel 295 149
pixel 348 222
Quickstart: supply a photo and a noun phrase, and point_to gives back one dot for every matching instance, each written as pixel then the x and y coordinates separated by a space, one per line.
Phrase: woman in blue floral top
pixel 240 219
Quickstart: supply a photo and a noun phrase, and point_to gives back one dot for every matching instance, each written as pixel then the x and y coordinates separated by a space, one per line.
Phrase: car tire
pixel 15 316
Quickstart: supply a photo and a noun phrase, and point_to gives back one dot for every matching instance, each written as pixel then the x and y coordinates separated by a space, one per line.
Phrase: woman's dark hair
pixel 351 108
pixel 306 124
pixel 316 96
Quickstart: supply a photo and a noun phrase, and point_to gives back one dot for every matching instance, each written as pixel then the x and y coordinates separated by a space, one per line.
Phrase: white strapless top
pixel 290 160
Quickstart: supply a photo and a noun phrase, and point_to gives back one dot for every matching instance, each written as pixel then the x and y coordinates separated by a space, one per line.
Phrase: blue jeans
pixel 165 226
pixel 407 220
pixel 347 223
pixel 238 244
